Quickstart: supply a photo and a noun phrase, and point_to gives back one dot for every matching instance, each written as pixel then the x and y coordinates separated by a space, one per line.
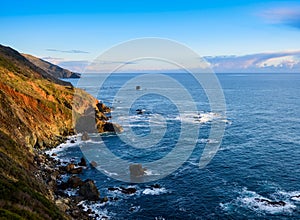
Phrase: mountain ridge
pixel 53 69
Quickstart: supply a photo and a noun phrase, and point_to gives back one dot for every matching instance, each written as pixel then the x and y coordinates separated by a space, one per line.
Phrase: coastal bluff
pixel 37 111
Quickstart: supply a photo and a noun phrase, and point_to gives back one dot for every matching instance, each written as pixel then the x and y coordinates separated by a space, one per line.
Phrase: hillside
pixel 35 113
pixel 52 69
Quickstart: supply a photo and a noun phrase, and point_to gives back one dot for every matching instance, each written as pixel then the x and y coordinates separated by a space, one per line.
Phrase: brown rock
pixel 136 170
pixel 93 164
pixel 105 199
pixel 89 191
pixel 62 205
pixel 82 162
pixel 74 182
pixel 76 170
pixel 128 190
pixel 70 167
pixel 85 136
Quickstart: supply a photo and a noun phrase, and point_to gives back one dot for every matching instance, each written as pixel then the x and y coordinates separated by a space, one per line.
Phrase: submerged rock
pixel 129 190
pixel 271 203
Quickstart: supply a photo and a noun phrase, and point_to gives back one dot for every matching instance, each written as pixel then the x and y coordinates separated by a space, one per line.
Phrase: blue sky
pixel 68 31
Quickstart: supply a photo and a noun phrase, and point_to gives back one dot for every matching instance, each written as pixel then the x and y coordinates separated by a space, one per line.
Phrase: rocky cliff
pixel 36 112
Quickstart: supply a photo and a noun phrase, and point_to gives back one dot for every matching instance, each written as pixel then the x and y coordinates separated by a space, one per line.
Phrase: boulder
pixel 74 182
pixel 77 170
pixel 82 162
pixel 70 168
pixel 129 190
pixel 93 164
pixel 89 191
pixel 136 170
pixel 60 203
pixel 110 127
pixel 105 199
pixel 85 136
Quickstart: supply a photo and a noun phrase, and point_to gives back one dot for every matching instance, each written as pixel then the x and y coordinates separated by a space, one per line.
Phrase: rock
pixel 93 164
pixel 85 136
pixel 82 162
pixel 76 213
pixel 128 190
pixel 105 199
pixel 271 203
pixel 76 170
pixel 74 182
pixel 61 205
pixel 89 190
pixel 156 186
pixel 54 155
pixel 110 127
pixel 113 189
pixel 70 167
pixel 72 141
pixel 136 170
pixel 139 111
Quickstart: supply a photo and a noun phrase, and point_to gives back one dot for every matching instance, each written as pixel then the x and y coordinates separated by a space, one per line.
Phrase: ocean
pixel 256 165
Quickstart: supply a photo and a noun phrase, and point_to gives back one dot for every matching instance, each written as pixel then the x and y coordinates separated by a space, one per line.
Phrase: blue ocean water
pixel 258 158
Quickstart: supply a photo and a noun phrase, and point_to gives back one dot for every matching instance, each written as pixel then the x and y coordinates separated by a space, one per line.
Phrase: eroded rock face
pixel 89 191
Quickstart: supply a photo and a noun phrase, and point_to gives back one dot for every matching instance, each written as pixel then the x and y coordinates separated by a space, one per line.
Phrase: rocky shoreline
pixel 71 194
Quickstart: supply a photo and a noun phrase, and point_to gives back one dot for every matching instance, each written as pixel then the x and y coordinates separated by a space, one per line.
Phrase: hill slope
pixel 35 113
pixel 52 69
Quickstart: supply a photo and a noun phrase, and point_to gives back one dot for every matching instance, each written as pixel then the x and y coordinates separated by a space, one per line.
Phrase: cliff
pixel 35 113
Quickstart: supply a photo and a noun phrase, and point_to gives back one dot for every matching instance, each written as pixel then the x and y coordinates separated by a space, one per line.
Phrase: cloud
pixel 283 15
pixel 67 51
pixel 286 61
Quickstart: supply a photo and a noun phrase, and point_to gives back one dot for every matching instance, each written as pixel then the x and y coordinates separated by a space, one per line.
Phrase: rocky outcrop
pixel 89 191
pixel 136 170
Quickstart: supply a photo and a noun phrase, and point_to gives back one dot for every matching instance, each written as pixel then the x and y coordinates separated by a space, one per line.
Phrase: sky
pixel 76 32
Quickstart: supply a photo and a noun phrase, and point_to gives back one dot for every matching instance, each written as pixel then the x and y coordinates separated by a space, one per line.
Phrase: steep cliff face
pixel 36 112
pixel 51 68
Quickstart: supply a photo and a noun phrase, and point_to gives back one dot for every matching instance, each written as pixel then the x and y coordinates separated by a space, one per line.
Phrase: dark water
pixel 258 158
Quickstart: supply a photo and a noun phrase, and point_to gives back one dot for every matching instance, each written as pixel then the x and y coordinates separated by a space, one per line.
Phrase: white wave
pixel 107 172
pixel 97 208
pixel 294 195
pixel 154 191
pixel 71 192
pixel 60 148
pixel 151 173
pixel 255 202
pixel 202 118
pixel 211 141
